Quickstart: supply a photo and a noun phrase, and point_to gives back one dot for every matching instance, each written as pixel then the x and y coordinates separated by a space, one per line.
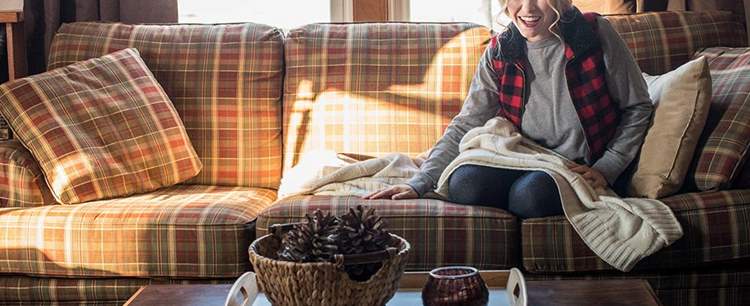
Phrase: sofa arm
pixel 21 181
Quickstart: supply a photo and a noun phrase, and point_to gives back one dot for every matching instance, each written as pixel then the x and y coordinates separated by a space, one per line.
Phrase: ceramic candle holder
pixel 450 286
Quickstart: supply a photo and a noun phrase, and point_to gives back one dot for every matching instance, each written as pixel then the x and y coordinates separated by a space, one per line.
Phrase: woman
pixel 568 82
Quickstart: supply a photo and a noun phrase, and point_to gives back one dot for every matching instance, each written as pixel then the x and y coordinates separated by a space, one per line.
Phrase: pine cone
pixel 362 231
pixel 312 241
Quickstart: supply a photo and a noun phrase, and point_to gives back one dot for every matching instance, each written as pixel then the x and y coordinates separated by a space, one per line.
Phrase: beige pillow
pixel 682 98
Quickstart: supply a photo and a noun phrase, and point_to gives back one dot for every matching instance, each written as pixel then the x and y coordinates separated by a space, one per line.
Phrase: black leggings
pixel 526 194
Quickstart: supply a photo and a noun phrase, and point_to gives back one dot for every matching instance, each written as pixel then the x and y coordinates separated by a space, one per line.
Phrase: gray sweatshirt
pixel 550 118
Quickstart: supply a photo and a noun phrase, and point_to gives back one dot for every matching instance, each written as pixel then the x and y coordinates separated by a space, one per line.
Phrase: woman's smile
pixel 530 21
pixel 532 17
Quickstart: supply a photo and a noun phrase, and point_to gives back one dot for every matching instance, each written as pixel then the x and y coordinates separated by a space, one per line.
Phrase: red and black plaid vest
pixel 584 71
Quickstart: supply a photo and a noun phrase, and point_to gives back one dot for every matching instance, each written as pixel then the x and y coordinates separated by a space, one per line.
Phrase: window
pixel 482 12
pixel 285 14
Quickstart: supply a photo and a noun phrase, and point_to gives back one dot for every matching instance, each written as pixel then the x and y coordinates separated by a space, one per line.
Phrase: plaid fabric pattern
pixel 21 181
pixel 100 128
pixel 375 88
pixel 726 137
pixel 726 286
pixel 181 231
pixel 585 74
pixel 5 132
pixel 714 225
pixel 662 41
pixel 224 81
pixel 440 233
pixel 18 289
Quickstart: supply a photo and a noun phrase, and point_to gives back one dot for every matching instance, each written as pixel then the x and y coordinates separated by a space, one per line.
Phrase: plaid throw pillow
pixel 726 137
pixel 100 128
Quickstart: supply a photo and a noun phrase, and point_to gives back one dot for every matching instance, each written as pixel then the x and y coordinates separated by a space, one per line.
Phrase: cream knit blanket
pixel 331 173
pixel 620 231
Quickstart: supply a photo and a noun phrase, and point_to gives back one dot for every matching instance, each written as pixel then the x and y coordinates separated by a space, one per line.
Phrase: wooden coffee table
pixel 591 292
pixel 540 293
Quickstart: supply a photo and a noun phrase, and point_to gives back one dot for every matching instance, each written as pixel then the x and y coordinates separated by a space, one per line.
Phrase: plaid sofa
pixel 254 100
pixel 225 82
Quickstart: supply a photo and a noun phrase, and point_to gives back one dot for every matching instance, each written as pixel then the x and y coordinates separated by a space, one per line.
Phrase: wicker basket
pixel 289 283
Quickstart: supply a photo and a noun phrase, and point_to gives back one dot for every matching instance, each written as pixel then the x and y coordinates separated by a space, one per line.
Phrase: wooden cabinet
pixel 15 43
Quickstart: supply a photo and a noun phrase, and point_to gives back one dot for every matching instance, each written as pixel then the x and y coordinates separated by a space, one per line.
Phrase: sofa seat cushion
pixel 181 231
pixel 224 80
pixel 715 226
pixel 440 233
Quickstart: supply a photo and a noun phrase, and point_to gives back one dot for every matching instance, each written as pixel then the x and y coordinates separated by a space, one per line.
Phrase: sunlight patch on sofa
pixel 449 66
pixel 354 123
pixel 61 177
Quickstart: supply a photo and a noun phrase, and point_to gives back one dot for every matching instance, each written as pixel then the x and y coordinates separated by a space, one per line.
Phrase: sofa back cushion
pixel 662 41
pixel 375 88
pixel 224 81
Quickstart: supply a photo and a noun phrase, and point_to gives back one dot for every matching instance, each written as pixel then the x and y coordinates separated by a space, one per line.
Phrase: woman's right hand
pixel 395 192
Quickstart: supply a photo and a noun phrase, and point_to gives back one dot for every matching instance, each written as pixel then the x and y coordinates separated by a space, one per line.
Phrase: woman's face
pixel 532 17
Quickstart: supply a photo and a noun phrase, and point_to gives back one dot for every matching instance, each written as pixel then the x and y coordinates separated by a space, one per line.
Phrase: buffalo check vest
pixel 584 71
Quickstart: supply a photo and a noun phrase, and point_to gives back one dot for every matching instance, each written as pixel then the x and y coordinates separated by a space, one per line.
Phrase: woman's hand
pixel 594 177
pixel 395 192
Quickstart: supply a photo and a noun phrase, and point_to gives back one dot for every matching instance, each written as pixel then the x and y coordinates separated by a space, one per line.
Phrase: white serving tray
pixel 507 288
